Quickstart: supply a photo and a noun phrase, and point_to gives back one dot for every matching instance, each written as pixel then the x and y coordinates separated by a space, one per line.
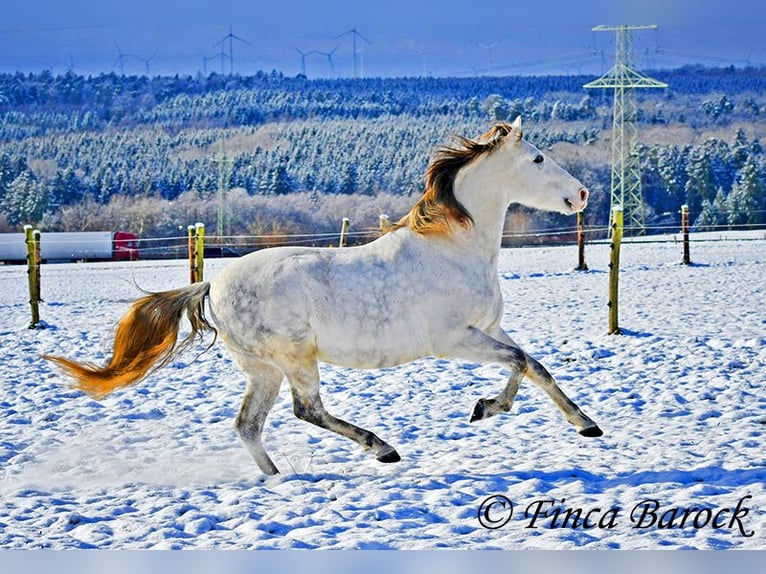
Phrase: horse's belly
pixel 369 347
pixel 365 358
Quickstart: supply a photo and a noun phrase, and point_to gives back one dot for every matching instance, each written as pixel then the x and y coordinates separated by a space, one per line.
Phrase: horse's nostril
pixel 584 195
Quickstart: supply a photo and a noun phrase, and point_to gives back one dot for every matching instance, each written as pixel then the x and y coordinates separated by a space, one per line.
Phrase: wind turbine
pixel 71 69
pixel 303 58
pixel 354 34
pixel 120 61
pixel 122 56
pixel 206 59
pixel 329 57
pixel 230 37
pixel 489 48
pixel 361 62
pixel 146 61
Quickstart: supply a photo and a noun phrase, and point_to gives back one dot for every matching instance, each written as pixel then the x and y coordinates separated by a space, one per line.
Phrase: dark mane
pixel 438 208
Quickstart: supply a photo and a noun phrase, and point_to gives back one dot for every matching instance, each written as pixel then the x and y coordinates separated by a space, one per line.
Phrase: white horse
pixel 427 287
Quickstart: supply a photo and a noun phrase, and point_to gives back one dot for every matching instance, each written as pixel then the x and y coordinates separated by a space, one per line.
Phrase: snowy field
pixel 680 397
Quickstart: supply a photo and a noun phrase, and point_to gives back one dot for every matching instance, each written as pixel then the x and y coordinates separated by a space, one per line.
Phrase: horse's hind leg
pixel 263 382
pixel 307 405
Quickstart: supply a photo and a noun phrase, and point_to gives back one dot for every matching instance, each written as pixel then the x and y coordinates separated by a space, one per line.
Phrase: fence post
pixel 685 232
pixel 199 249
pixel 344 231
pixel 38 264
pixel 191 247
pixel 581 265
pixel 32 240
pixel 614 270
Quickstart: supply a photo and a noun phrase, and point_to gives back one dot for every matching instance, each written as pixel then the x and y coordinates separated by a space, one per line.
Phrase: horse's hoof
pixel 479 411
pixel 389 456
pixel 592 432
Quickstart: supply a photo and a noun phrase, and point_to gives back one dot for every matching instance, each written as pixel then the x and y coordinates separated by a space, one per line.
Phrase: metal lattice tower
pixel 626 164
pixel 224 176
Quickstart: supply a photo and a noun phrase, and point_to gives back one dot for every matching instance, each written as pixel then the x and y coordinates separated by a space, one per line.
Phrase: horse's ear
pixel 516 128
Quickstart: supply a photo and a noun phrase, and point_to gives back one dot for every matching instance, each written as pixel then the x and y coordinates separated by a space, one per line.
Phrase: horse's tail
pixel 146 336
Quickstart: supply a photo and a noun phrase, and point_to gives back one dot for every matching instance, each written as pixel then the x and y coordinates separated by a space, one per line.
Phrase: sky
pixel 394 37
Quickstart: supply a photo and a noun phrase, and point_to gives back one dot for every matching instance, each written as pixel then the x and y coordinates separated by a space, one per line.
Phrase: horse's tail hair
pixel 145 337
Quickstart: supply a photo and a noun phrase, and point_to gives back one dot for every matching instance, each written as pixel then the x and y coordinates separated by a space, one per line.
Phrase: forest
pixel 295 156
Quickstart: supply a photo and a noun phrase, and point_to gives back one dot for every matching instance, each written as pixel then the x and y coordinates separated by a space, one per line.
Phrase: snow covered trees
pixel 69 139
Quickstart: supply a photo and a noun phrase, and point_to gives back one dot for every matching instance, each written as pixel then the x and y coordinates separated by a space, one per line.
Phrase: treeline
pixel 727 175
pixel 38 104
pixel 272 220
pixel 72 143
pixel 41 104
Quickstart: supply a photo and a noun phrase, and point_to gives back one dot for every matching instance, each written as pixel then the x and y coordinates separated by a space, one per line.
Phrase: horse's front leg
pixel 500 348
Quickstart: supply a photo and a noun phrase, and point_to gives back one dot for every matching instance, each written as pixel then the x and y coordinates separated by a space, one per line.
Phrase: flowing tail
pixel 146 336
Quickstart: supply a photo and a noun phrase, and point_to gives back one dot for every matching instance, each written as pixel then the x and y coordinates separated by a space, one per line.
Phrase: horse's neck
pixel 475 190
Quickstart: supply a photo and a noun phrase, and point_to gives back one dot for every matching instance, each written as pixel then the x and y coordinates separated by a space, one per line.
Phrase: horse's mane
pixel 438 209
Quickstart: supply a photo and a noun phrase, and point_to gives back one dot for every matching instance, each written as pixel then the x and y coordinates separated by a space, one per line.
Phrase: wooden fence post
pixel 614 270
pixel 581 265
pixel 192 259
pixel 685 232
pixel 199 250
pixel 32 240
pixel 344 231
pixel 38 264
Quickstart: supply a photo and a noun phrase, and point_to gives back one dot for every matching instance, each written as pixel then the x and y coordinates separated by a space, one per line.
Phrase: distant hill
pixel 71 144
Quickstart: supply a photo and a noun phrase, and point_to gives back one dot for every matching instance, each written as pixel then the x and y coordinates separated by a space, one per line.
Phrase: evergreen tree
pixel 348 183
pixel 6 174
pixel 25 200
pixel 740 149
pixel 281 182
pixel 739 207
pixel 747 201
pixel 495 107
pixel 713 213
pixel 699 185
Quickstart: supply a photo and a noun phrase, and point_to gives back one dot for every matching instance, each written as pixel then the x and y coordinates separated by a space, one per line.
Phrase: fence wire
pixel 233 245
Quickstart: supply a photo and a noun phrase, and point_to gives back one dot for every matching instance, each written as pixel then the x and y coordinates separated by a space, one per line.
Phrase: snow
pixel 680 397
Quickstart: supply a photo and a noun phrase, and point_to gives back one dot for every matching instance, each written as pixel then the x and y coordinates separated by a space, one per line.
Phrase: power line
pixel 679 54
pixel 583 56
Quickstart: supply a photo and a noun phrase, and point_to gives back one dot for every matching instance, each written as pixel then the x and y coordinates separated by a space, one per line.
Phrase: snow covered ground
pixel 680 397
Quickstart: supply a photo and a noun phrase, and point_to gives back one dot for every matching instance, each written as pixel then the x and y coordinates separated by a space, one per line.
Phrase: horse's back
pixel 353 304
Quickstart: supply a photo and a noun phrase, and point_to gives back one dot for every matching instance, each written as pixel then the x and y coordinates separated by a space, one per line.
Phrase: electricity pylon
pixel 224 175
pixel 626 164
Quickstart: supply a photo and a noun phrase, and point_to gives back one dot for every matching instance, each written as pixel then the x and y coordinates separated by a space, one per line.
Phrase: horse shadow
pixel 713 476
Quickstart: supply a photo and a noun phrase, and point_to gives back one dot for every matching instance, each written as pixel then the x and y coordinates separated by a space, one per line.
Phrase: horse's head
pixel 530 177
pixel 474 183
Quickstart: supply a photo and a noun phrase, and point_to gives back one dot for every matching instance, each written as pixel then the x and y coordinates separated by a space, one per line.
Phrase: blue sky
pixel 455 38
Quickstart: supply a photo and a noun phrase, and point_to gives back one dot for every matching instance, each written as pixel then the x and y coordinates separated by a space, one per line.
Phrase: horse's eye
pixel 539 159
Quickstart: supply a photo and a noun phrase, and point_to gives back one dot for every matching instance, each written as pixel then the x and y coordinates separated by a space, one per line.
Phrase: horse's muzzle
pixel 578 201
